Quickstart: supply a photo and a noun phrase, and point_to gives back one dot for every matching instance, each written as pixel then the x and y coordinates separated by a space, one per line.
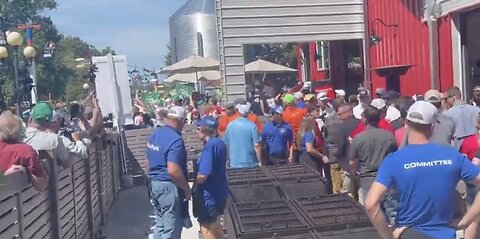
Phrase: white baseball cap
pixel 243 108
pixel 340 92
pixel 177 112
pixel 322 96
pixel 298 95
pixel 379 103
pixel 422 112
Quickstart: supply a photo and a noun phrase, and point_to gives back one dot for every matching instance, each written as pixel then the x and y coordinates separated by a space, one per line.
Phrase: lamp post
pixel 15 39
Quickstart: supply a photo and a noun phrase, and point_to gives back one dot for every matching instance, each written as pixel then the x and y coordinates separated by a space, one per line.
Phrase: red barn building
pixel 403 50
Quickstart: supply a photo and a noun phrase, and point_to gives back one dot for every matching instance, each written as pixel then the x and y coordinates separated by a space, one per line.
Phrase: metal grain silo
pixel 193 30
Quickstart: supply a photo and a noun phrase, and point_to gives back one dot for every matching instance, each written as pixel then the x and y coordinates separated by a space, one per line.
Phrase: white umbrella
pixel 193 77
pixel 261 66
pixel 193 63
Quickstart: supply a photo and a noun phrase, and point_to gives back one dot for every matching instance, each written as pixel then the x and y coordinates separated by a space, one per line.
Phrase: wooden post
pixel 53 197
pixel 88 193
pixel 20 214
pixel 98 160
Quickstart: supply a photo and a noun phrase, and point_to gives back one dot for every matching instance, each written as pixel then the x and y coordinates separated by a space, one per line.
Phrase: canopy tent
pixel 261 66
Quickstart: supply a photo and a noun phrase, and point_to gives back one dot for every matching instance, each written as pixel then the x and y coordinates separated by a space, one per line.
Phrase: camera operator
pixel 72 140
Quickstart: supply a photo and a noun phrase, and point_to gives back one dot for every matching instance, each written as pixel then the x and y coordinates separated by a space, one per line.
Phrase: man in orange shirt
pixel 293 116
pixel 231 114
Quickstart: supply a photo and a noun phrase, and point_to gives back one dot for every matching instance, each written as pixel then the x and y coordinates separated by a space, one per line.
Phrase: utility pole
pixel 33 69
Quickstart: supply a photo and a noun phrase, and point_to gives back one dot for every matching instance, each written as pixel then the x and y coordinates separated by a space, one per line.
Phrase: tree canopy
pixel 57 76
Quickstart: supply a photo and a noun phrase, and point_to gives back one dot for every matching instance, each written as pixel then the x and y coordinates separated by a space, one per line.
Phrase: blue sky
pixel 136 28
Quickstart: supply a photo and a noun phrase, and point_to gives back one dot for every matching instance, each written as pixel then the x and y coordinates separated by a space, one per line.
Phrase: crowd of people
pixel 64 131
pixel 401 157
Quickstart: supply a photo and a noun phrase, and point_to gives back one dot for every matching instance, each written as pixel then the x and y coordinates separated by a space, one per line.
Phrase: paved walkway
pixel 132 217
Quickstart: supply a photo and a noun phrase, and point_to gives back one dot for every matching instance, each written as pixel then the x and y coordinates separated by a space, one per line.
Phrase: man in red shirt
pixel 16 156
pixel 381 105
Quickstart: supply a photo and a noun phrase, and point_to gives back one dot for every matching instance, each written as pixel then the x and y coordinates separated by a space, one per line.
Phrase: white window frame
pixel 323 50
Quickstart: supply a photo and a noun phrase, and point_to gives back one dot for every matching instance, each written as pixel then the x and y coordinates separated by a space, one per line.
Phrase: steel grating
pixel 333 212
pixel 267 219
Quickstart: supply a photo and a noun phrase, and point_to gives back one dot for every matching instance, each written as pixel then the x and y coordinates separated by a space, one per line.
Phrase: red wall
pixel 408 46
pixel 445 53
pixel 317 75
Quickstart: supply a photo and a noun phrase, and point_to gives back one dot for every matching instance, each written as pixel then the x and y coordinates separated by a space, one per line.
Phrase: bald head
pixel 11 127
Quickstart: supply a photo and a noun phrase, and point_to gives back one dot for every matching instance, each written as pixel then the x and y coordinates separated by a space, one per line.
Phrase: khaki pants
pixel 337 178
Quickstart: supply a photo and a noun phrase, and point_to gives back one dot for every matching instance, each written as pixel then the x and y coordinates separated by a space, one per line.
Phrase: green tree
pixel 282 53
pixel 167 60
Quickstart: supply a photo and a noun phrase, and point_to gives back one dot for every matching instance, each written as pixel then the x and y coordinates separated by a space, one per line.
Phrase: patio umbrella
pixel 191 64
pixel 193 77
pixel 261 66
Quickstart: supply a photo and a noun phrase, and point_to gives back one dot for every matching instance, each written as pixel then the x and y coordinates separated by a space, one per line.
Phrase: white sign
pixel 113 88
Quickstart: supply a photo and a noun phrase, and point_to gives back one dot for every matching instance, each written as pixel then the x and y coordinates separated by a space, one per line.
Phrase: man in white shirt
pixel 78 146
pixel 37 136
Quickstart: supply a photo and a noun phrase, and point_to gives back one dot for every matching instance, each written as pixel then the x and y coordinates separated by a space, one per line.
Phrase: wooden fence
pixel 75 203
pixel 135 142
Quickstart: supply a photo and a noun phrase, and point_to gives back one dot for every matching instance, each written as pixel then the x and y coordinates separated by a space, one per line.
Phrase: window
pixel 323 55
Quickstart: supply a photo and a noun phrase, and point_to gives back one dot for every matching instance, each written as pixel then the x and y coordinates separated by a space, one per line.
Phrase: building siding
pixel 409 45
pixel 278 21
pixel 449 6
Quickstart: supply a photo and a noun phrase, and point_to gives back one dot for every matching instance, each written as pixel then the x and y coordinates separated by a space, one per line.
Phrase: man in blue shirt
pixel 212 187
pixel 425 176
pixel 243 141
pixel 278 138
pixel 167 173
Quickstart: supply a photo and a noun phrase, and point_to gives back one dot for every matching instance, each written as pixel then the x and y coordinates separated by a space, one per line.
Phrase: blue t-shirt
pixel 301 104
pixel 241 137
pixel 425 177
pixel 308 137
pixel 212 163
pixel 277 137
pixel 165 145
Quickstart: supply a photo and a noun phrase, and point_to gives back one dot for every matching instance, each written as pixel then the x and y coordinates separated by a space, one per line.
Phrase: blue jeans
pixel 165 199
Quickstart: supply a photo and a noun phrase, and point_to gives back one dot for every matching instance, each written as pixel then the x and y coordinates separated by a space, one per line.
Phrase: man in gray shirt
pixel 444 126
pixel 367 151
pixel 464 115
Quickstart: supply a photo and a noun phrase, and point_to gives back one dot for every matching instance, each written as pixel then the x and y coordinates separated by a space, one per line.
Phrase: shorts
pixel 210 214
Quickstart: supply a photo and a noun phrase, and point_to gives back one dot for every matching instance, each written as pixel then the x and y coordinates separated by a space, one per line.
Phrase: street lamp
pixel 15 39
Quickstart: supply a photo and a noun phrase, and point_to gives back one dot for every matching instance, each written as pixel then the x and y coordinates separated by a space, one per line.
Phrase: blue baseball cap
pixel 207 121
pixel 276 110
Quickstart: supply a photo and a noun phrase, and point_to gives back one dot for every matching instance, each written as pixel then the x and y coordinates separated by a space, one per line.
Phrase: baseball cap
pixel 239 101
pixel 433 96
pixel 422 112
pixel 229 106
pixel 298 95
pixel 42 113
pixel 308 97
pixel 340 92
pixel 322 96
pixel 288 99
pixel 177 112
pixel 277 110
pixel 380 91
pixel 243 108
pixel 362 91
pixel 379 103
pixel 207 121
